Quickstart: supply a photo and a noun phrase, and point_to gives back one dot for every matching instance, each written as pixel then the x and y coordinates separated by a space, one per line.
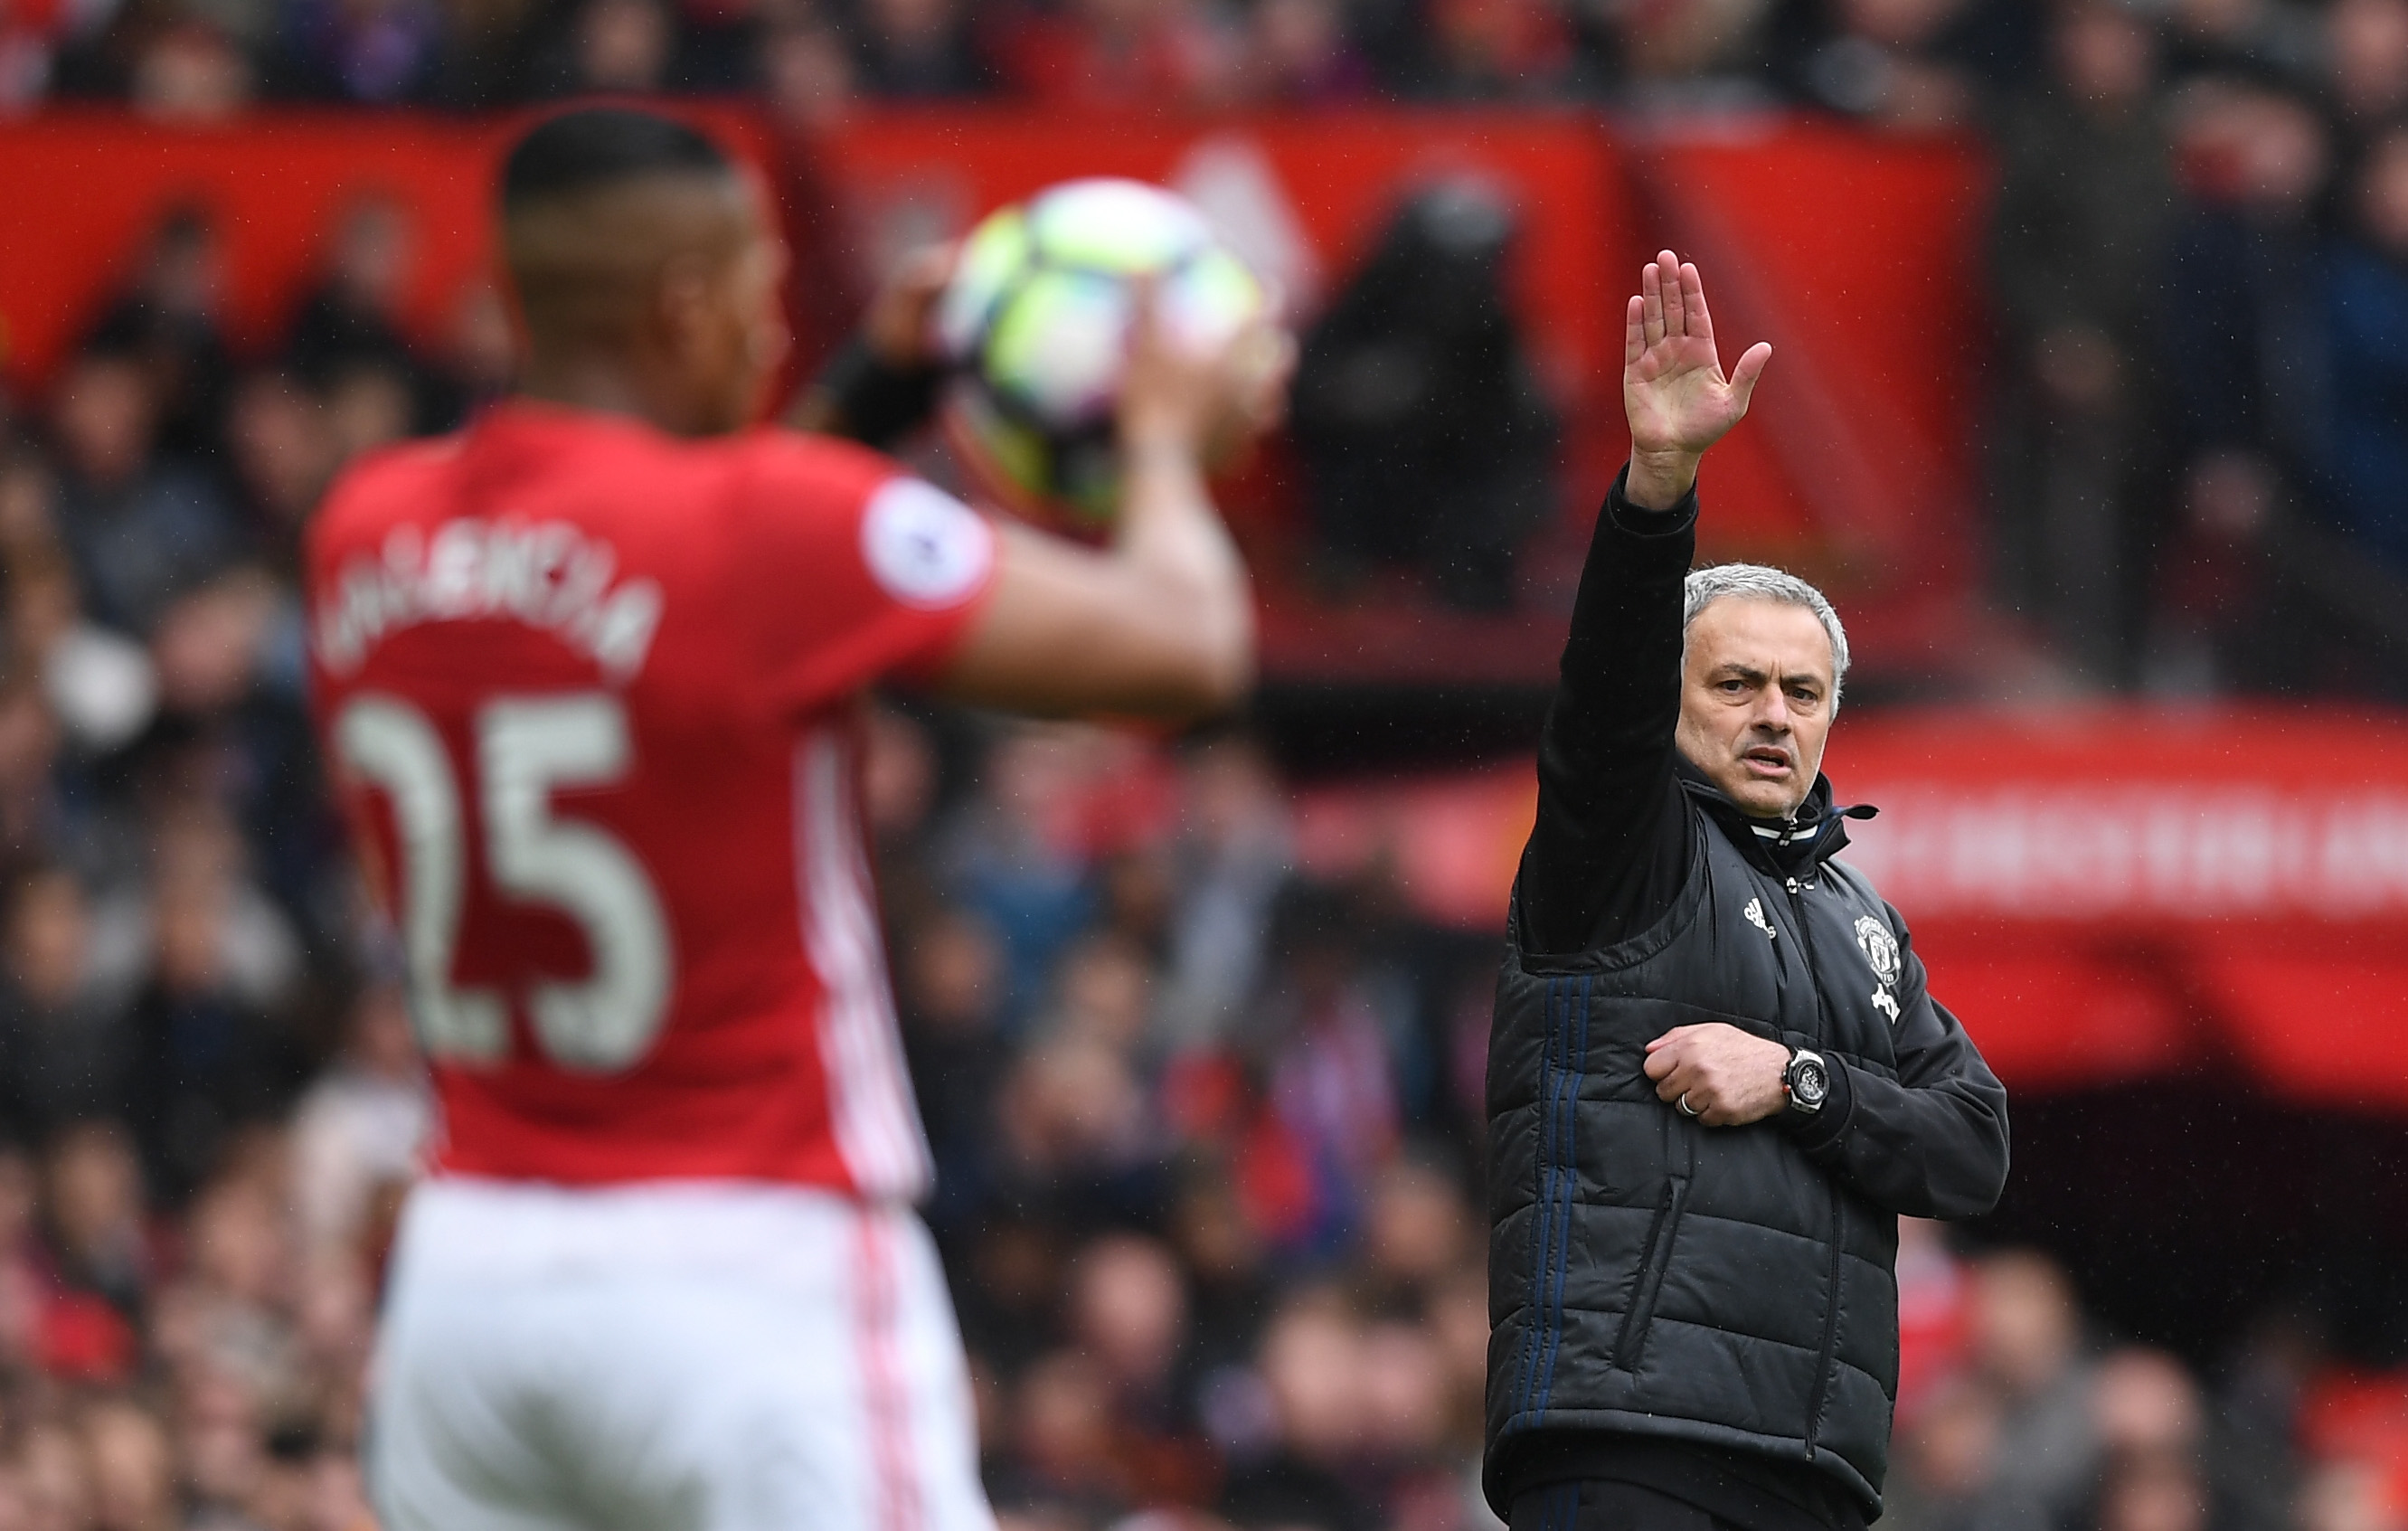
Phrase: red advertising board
pixel 2099 894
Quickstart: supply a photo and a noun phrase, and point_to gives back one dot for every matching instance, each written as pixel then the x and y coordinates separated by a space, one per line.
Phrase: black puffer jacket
pixel 1731 1288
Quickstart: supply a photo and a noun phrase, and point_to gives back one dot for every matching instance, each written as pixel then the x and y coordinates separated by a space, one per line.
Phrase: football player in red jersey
pixel 589 675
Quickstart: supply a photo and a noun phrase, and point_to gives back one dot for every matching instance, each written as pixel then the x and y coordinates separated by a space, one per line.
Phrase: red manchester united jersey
pixel 590 692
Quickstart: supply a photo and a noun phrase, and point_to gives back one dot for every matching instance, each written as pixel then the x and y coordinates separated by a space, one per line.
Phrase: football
pixel 1036 320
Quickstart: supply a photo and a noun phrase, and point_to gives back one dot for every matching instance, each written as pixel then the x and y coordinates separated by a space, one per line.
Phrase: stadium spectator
pixel 488 51
pixel 2153 1493
pixel 479 357
pixel 2144 1403
pixel 169 316
pixel 1493 51
pixel 2026 1343
pixel 920 51
pixel 61 1030
pixel 2366 63
pixel 1310 1363
pixel 1904 65
pixel 2258 1412
pixel 1128 1318
pixel 1948 1474
pixel 2261 39
pixel 346 337
pixel 205 1056
pixel 378 52
pixel 192 73
pixel 2368 321
pixel 1325 1035
pixel 1073 1142
pixel 1065 1446
pixel 1418 1234
pixel 1709 53
pixel 1017 856
pixel 141 527
pixel 98 1238
pixel 284 452
pixel 1126 53
pixel 133 1467
pixel 31 37
pixel 2252 413
pixel 1302 54
pixel 612 46
pixel 1427 438
pixel 2078 246
pixel 1225 866
pixel 951 990
pixel 807 73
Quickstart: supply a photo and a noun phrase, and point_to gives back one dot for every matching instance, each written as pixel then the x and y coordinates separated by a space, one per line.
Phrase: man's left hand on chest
pixel 1729 1076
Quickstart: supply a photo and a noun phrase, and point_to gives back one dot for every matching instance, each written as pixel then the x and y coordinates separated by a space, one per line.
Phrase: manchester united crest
pixel 1881 948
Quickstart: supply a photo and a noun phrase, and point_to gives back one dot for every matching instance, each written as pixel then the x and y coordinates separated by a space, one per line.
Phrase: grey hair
pixel 1760 582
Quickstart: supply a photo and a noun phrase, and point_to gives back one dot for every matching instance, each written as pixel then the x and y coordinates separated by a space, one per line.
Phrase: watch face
pixel 1809 1083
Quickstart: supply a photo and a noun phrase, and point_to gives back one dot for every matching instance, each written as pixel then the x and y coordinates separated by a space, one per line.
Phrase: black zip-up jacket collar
pixel 1814 833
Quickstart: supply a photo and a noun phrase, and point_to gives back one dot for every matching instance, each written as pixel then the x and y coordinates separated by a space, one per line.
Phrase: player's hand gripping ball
pixel 1035 323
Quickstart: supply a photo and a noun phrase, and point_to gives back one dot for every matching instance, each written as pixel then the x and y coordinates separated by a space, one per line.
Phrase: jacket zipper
pixel 1838 1226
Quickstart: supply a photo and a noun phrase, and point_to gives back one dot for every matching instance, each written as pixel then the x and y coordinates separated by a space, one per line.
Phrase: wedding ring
pixel 1682 1105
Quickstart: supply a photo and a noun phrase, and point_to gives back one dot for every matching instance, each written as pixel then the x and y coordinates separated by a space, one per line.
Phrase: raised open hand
pixel 1673 390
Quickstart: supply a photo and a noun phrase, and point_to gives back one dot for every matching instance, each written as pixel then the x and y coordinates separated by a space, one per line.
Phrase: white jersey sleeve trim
pixel 877 1123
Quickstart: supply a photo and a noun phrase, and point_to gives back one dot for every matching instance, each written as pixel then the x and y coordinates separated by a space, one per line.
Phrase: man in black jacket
pixel 1716 1078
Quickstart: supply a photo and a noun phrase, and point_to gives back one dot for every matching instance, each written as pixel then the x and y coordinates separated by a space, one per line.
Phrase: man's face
pixel 1755 701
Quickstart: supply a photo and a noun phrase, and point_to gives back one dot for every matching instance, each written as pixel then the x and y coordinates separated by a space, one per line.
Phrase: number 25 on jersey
pixel 525 749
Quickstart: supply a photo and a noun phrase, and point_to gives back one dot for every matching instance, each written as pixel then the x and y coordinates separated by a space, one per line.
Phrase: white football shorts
pixel 668 1357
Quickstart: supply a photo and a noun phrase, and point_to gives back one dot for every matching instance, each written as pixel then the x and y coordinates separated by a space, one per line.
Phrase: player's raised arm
pixel 1161 623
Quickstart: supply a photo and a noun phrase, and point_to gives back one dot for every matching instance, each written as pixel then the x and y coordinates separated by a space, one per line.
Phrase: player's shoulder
pixel 843 507
pixel 380 485
pixel 396 469
pixel 788 464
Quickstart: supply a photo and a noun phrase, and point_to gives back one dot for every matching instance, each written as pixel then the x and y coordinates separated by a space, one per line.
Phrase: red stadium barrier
pixel 1853 467
pixel 80 190
pixel 2102 895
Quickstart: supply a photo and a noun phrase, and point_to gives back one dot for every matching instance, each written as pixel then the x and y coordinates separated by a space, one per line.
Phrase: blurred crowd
pixel 1898 62
pixel 1207 1123
pixel 2199 252
pixel 2199 267
pixel 1207 1119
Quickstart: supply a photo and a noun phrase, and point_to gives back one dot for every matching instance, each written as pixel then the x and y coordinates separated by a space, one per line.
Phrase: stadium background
pixel 2091 396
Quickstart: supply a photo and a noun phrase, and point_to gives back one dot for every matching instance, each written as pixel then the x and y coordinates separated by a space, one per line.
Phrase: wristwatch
pixel 1808 1082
